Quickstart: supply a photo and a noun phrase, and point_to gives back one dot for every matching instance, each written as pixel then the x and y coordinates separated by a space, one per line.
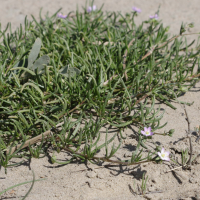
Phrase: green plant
pixel 63 79
pixel 141 189
pixel 144 183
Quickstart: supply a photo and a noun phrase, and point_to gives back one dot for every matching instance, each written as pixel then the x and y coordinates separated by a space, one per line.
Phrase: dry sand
pixel 68 181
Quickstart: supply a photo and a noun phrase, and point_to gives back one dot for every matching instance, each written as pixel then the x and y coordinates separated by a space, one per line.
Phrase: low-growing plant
pixel 144 184
pixel 65 77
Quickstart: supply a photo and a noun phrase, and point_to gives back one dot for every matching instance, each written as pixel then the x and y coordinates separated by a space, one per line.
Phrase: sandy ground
pixel 78 181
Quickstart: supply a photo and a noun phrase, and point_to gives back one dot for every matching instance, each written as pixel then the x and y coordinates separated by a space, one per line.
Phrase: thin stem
pixel 107 159
pixel 189 136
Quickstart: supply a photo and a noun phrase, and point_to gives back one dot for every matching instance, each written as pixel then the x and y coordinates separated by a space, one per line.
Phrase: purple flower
pixel 147 131
pixel 138 10
pixel 90 9
pixel 153 16
pixel 61 16
pixel 164 155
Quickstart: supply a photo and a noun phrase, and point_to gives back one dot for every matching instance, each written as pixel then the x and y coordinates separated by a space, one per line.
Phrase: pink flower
pixel 147 131
pixel 138 10
pixel 164 155
pixel 154 16
pixel 90 9
pixel 61 16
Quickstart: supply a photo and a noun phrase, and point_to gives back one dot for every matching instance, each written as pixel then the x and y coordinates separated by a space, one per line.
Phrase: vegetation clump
pixel 64 78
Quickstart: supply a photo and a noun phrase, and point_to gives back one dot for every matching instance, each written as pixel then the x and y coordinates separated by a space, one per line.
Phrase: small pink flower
pixel 61 16
pixel 164 155
pixel 147 131
pixel 90 9
pixel 154 16
pixel 138 10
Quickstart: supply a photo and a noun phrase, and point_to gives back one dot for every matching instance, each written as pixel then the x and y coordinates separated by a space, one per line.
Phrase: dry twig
pixel 189 136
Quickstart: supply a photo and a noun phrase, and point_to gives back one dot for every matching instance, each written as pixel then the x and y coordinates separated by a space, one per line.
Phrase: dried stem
pixel 31 141
pixel 189 136
pixel 124 58
pixel 145 56
pixel 39 137
pixel 107 159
